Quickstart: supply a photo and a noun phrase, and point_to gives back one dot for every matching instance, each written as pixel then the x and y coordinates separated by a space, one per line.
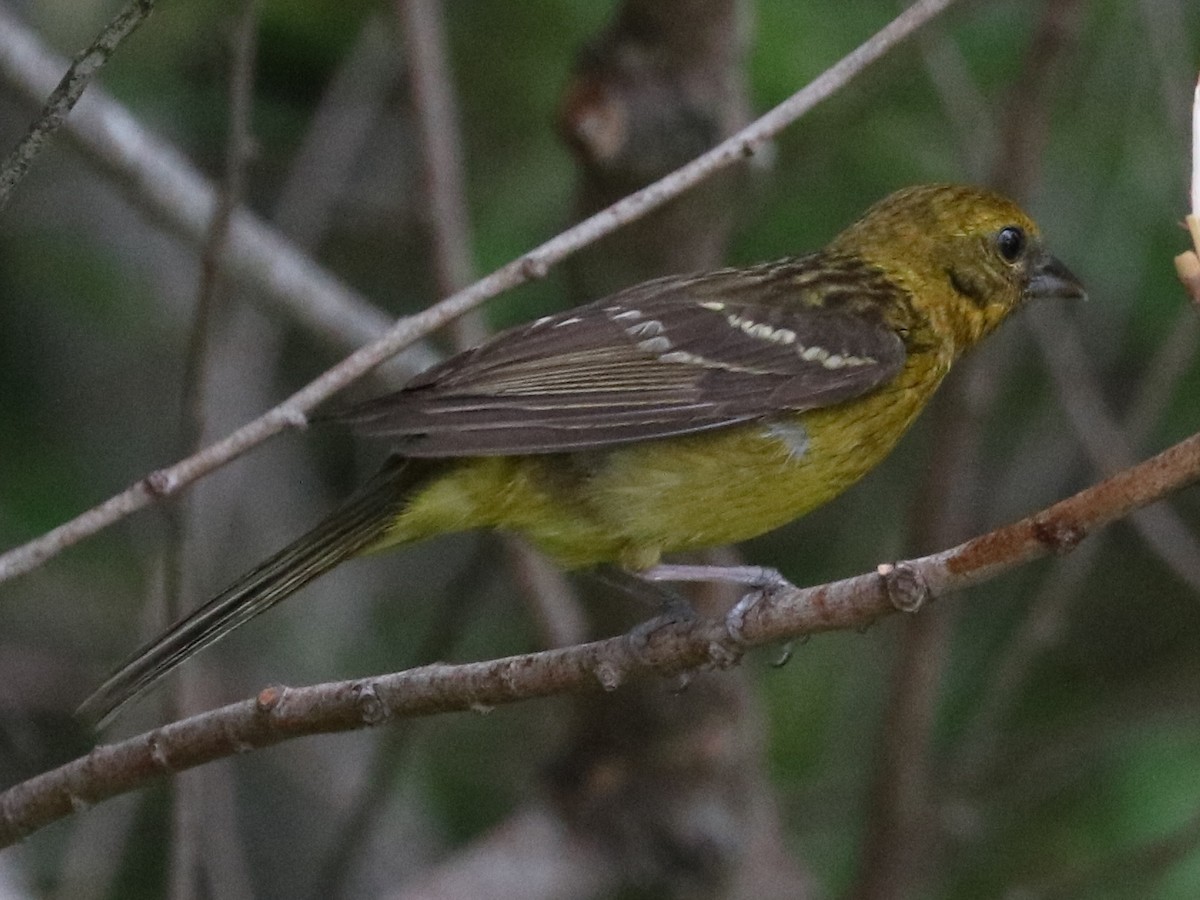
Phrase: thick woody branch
pixel 534 264
pixel 278 713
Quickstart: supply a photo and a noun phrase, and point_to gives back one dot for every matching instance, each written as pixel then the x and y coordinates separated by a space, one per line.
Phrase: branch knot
pixel 905 587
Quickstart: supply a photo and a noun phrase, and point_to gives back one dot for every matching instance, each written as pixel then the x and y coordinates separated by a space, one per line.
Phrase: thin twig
pixel 64 97
pixel 278 713
pixel 347 109
pixel 159 181
pixel 292 412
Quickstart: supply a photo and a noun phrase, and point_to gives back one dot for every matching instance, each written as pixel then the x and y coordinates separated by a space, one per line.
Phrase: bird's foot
pixel 763 583
pixel 674 612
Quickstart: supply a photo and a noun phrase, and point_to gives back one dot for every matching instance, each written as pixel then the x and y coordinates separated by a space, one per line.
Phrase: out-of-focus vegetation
pixel 1087 763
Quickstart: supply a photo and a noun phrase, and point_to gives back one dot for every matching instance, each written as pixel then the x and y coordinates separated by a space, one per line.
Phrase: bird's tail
pixel 350 530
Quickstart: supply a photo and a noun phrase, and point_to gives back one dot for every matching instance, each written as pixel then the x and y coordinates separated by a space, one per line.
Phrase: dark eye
pixel 1011 243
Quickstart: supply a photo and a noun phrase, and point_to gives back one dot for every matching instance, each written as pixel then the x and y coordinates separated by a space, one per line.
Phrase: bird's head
pixel 968 256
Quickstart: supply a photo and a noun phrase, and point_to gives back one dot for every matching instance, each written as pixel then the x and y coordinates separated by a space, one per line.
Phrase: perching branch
pixel 291 413
pixel 279 713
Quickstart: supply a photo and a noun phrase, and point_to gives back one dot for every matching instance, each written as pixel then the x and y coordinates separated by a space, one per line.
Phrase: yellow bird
pixel 685 412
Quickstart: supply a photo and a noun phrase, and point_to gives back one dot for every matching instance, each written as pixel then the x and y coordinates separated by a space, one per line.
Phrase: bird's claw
pixel 763 583
pixel 675 612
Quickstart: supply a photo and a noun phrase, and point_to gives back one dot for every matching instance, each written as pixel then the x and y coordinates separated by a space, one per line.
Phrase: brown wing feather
pixel 669 357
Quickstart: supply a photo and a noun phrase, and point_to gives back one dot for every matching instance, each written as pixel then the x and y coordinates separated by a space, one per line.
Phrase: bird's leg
pixel 672 607
pixel 759 577
pixel 667 602
pixel 762 582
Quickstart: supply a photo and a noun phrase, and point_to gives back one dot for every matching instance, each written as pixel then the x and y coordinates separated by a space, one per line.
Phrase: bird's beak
pixel 1049 279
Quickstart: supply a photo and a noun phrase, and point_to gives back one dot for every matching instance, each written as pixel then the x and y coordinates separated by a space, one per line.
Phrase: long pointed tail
pixel 348 531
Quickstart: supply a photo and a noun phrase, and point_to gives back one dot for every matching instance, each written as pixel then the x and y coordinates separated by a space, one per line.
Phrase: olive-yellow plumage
pixel 685 412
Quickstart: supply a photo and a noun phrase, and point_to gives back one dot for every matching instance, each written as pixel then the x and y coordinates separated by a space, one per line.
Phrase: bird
pixel 684 412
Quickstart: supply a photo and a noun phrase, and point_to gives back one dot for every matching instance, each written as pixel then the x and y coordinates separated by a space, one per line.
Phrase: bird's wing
pixel 668 357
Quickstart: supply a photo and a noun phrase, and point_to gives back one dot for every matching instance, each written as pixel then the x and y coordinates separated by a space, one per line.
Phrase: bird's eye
pixel 1011 243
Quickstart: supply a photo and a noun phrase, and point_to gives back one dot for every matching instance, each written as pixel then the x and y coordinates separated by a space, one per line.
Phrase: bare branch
pixel 278 713
pixel 292 411
pixel 64 97
pixel 157 179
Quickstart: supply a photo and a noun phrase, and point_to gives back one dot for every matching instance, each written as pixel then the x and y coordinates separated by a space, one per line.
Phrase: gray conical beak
pixel 1049 279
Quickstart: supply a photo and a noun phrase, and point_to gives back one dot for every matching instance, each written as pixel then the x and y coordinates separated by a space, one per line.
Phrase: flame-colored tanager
pixel 685 412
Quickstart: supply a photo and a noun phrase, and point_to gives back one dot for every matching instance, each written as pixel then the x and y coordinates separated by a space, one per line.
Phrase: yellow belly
pixel 631 504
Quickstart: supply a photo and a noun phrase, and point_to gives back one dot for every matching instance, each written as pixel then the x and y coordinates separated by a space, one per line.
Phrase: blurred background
pixel 1038 736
